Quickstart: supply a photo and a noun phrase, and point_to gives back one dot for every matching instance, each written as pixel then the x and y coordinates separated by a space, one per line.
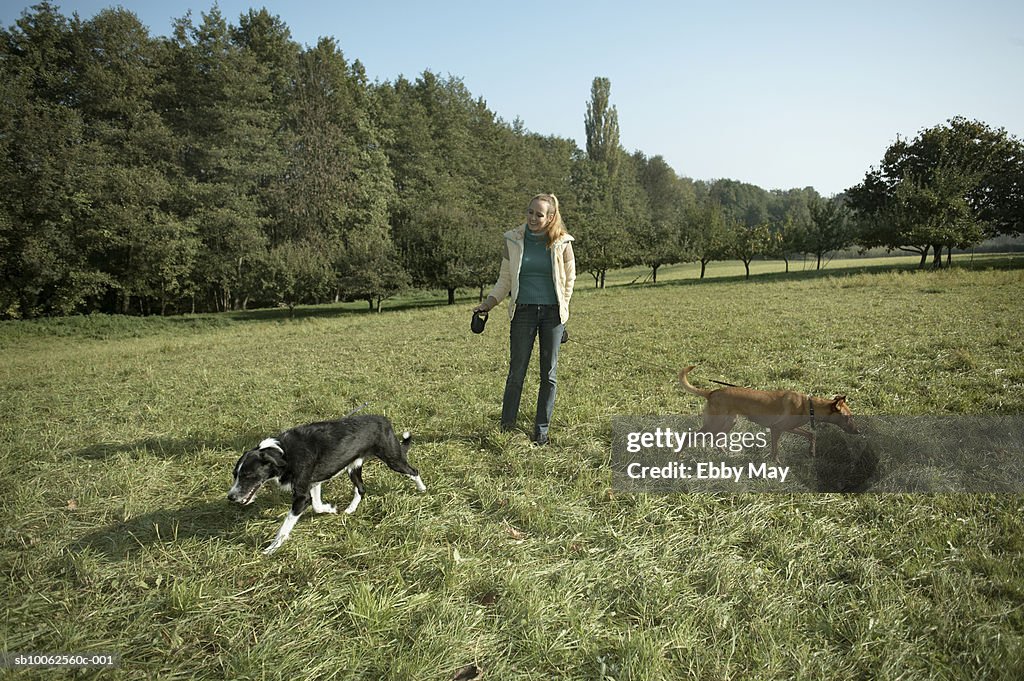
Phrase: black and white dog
pixel 302 458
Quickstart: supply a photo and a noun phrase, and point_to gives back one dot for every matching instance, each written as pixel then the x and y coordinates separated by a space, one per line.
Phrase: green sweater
pixel 536 283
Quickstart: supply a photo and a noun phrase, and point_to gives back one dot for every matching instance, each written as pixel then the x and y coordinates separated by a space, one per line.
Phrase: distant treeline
pixel 226 166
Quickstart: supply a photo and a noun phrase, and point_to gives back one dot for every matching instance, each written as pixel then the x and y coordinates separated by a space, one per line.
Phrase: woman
pixel 538 269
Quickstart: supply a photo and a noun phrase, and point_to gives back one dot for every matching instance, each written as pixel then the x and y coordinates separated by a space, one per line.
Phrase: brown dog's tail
pixel 686 384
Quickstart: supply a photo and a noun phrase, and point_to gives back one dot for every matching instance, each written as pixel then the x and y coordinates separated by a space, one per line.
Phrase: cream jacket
pixel 563 271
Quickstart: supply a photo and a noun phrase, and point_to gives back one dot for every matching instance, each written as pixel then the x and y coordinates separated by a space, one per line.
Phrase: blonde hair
pixel 555 228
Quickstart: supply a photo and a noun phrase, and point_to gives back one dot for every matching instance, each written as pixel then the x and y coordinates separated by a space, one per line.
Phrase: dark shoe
pixel 540 440
pixel 507 427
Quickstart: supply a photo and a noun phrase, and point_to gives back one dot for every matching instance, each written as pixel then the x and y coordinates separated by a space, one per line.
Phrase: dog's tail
pixel 686 384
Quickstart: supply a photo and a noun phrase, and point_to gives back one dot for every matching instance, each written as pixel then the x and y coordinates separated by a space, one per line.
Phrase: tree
pixel 742 202
pixel 790 221
pixel 48 174
pixel 659 239
pixel 829 229
pixel 601 123
pixel 950 186
pixel 450 160
pixel 709 235
pixel 746 215
pixel 597 223
pixel 609 198
pixel 372 273
pixel 296 272
pixel 220 105
pixel 746 243
pixel 145 248
pixel 337 189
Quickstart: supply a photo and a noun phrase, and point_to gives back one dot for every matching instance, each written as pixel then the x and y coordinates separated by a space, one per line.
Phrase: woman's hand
pixel 486 306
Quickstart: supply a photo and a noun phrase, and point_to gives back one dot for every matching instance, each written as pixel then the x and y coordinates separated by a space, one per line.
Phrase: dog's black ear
pixel 272 457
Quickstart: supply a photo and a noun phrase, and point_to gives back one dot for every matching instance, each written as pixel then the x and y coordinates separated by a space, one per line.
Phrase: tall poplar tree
pixel 608 199
pixel 601 124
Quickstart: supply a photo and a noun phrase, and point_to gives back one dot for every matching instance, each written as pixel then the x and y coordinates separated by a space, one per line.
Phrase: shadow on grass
pixel 330 311
pixel 1003 263
pixel 170 448
pixel 111 327
pixel 843 463
pixel 216 519
pixel 936 453
pixel 200 520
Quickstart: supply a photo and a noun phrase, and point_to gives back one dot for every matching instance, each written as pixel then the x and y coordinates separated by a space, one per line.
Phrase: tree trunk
pixel 937 260
pixel 819 261
pixel 603 273
pixel 924 258
pixel 746 266
pixel 451 296
pixel 703 267
pixel 654 274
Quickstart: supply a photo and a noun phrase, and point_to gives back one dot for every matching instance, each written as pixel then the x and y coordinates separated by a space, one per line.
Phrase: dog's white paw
pixel 274 546
pixel 354 504
pixel 327 508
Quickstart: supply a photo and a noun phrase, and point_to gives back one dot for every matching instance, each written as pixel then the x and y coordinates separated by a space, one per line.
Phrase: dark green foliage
pixel 148 175
pixel 951 186
pixel 152 176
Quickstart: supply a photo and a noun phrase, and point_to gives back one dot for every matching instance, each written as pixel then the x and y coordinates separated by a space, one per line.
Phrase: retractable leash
pixel 479 320
pixel 567 339
pixel 359 408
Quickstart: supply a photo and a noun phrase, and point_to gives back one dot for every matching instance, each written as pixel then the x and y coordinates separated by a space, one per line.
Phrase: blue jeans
pixel 528 322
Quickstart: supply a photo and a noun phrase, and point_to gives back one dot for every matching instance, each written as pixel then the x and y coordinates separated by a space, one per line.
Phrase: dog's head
pixel 254 468
pixel 840 414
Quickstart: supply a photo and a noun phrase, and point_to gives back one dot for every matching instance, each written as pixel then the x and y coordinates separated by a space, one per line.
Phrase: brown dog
pixel 778 410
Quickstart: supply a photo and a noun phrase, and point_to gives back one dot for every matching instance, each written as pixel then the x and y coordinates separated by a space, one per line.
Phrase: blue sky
pixel 780 94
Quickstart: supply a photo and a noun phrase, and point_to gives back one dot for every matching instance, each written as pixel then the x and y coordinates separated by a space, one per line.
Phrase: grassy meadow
pixel 118 437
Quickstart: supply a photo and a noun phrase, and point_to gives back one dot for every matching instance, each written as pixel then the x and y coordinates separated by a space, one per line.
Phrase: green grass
pixel 118 437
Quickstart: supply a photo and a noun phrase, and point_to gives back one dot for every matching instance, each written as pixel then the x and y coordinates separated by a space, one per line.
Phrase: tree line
pixel 225 166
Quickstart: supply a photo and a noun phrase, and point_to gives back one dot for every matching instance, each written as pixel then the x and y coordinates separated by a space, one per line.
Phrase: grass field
pixel 118 437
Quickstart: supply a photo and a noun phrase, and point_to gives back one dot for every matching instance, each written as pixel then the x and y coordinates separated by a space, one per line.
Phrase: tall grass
pixel 117 443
